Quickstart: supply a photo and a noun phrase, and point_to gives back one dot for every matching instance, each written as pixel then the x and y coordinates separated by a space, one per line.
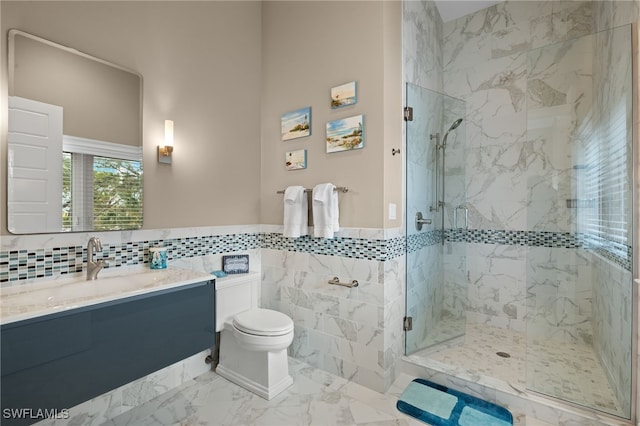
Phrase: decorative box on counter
pixel 235 264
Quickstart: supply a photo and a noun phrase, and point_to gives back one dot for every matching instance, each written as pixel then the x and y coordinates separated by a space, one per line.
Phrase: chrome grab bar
pixel 436 208
pixel 336 281
pixel 466 216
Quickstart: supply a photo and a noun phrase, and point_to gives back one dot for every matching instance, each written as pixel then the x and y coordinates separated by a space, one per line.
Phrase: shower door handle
pixel 466 216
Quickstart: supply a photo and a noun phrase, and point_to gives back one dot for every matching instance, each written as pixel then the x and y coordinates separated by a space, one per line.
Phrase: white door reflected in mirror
pixel 34 152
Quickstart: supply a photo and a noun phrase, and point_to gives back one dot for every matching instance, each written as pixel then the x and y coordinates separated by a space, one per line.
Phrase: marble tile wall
pixel 531 73
pixel 355 333
pixel 559 286
pixel 496 285
pixel 421 45
pixel 614 14
pixel 612 324
pixel 425 294
pixel 613 122
pixel 525 71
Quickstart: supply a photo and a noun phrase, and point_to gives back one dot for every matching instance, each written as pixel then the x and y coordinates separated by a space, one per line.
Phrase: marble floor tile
pixel 315 398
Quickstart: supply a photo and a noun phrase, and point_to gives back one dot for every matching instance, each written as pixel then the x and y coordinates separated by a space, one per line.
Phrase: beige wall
pixel 100 101
pixel 225 72
pixel 201 67
pixel 309 47
pixel 393 95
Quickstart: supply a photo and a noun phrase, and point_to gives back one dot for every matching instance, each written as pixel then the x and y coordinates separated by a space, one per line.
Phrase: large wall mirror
pixel 74 147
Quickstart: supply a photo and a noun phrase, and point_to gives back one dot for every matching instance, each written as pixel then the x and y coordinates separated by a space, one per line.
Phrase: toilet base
pixel 266 392
pixel 264 373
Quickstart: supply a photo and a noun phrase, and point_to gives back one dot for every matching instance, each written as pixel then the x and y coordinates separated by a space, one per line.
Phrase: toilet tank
pixel 235 294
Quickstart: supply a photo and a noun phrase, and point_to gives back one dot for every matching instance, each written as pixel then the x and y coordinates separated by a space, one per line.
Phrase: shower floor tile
pixel 568 371
pixel 571 372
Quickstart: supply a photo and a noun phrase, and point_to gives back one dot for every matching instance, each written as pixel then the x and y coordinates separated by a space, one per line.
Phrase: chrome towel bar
pixel 338 188
pixel 336 281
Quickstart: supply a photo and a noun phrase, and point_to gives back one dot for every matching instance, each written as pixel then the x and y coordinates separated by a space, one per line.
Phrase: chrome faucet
pixel 93 267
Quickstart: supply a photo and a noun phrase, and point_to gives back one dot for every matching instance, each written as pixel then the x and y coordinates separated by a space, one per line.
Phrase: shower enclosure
pixel 522 271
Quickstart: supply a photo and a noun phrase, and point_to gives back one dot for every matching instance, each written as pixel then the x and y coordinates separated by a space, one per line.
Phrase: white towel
pixel 295 212
pixel 325 210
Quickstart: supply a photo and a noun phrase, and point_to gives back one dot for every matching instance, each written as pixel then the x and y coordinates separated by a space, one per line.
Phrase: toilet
pixel 253 342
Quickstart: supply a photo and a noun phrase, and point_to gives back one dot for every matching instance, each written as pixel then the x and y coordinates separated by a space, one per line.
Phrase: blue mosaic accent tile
pixel 423 239
pixel 619 253
pixel 25 264
pixel 358 248
pixel 520 238
pixel 40 263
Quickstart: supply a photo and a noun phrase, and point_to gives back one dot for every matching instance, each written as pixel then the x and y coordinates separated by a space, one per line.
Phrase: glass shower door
pixel 436 290
pixel 579 273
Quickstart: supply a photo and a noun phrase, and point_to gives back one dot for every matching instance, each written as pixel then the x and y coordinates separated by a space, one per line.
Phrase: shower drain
pixel 503 354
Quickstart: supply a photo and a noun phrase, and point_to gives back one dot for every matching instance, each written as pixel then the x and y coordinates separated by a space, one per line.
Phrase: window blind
pixel 607 180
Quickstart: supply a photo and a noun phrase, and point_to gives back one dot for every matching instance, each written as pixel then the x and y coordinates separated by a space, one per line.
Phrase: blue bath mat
pixel 440 406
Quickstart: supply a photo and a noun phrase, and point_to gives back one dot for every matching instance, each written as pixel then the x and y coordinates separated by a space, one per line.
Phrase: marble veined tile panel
pixel 316 398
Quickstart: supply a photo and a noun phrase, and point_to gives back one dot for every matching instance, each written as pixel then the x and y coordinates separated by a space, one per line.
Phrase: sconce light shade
pixel 165 151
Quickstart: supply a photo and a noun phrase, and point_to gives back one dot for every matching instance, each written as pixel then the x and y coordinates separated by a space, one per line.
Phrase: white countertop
pixel 20 302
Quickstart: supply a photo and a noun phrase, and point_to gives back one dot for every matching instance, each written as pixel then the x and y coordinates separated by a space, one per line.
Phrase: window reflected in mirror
pixel 100 193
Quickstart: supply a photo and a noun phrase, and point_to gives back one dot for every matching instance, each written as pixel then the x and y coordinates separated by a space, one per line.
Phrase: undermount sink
pixel 26 301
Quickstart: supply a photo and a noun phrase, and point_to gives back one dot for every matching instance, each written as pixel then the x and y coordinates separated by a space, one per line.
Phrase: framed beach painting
pixel 296 160
pixel 296 124
pixel 345 134
pixel 343 95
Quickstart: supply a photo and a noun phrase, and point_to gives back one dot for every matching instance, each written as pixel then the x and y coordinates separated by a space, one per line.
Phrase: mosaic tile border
pixel 358 248
pixel 423 239
pixel 519 238
pixel 16 265
pixel 618 253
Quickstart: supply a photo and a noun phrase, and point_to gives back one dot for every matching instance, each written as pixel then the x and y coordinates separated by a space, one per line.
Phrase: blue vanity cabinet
pixel 56 361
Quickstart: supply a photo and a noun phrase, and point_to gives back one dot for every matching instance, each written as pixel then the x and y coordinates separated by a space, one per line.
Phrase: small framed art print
pixel 345 134
pixel 295 160
pixel 296 124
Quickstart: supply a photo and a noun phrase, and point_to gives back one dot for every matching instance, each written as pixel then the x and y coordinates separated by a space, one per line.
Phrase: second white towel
pixel 326 214
pixel 295 212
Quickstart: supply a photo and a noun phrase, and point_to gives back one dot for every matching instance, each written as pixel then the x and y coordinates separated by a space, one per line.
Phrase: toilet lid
pixel 263 322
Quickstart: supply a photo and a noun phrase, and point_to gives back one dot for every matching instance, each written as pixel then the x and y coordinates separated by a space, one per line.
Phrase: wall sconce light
pixel 165 151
